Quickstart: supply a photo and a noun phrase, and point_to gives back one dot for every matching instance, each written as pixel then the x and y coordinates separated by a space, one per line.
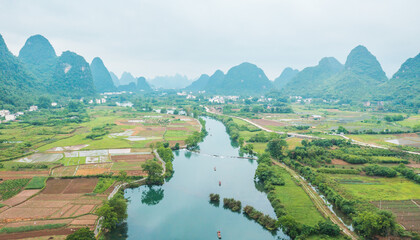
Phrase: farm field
pixel 377 188
pixel 322 121
pixel 62 201
pixel 296 202
pixel 407 212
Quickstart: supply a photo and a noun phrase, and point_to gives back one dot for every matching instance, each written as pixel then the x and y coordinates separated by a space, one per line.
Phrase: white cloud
pixel 157 37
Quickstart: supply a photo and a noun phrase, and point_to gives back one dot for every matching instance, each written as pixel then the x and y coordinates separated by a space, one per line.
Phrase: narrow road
pixel 318 201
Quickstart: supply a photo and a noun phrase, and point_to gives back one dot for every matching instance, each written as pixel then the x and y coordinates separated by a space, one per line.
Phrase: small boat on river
pixel 214 168
pixel 220 183
pixel 219 235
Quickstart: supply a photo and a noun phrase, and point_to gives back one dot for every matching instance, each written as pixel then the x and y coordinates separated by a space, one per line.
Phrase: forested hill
pixel 199 84
pixel 357 80
pixel 18 87
pixel 404 86
pixel 285 77
pixel 310 80
pixel 142 85
pixel 72 76
pixel 39 57
pixel 245 78
pixel 101 78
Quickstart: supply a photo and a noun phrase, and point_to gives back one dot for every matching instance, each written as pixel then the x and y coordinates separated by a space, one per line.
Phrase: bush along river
pixel 180 209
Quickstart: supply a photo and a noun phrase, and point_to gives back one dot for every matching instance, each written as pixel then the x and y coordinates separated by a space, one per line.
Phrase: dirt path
pixel 318 201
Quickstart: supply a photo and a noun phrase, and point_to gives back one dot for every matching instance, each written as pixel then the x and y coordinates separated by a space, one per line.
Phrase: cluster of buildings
pixel 223 99
pixel 8 116
pixel 96 101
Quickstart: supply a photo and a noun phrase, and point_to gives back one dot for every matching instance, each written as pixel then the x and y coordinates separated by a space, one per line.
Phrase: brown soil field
pixel 96 171
pixel 173 142
pixel 132 157
pixel 407 212
pixel 132 172
pixel 33 234
pixel 68 186
pixel 179 129
pixel 64 171
pixel 22 174
pixel 415 135
pixel 414 165
pixel 84 209
pixel 20 197
pixel 265 122
pixel 339 162
pixel 93 169
pixel 38 222
pixel 55 186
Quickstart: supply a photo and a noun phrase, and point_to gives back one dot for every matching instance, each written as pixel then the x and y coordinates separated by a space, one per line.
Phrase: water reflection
pixel 152 196
pixel 121 232
pixel 187 154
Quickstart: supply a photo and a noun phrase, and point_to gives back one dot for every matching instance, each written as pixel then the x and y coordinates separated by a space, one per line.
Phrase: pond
pixel 180 209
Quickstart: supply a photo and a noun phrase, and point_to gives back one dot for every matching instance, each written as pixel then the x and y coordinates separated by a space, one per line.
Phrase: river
pixel 180 209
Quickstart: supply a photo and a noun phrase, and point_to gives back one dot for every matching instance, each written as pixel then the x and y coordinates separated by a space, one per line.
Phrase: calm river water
pixel 180 209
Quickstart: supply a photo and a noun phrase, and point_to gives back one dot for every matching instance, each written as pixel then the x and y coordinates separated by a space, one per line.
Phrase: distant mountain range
pixel 245 78
pixel 177 81
pixel 38 71
pixel 361 78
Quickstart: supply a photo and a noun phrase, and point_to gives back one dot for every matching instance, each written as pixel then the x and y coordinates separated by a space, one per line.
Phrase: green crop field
pixel 37 183
pixel 9 188
pixel 377 188
pixel 296 202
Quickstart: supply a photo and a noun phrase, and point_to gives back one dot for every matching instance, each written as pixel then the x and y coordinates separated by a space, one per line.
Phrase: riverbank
pixel 183 200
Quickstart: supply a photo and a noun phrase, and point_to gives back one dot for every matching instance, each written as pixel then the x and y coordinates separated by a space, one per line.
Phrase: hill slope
pixel 142 85
pixel 72 76
pixel 39 57
pixel 404 86
pixel 309 81
pixel 244 79
pixel 285 77
pixel 199 84
pixel 101 78
pixel 18 87
pixel 115 79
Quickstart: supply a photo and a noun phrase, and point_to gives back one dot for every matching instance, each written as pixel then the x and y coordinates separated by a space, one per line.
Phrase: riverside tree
pixel 276 148
pixel 154 172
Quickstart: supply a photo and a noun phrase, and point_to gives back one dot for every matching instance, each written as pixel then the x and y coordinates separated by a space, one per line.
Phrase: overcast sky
pixel 191 37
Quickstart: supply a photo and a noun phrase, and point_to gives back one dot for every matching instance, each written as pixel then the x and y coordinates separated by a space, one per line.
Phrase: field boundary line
pixel 415 203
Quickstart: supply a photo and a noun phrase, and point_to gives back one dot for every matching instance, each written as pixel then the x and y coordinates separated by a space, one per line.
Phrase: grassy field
pixel 103 184
pixel 296 201
pixel 377 188
pixel 31 228
pixel 37 183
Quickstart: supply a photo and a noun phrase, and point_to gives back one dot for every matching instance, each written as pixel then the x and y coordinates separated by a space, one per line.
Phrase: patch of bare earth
pixel 265 122
pixel 20 197
pixel 339 162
